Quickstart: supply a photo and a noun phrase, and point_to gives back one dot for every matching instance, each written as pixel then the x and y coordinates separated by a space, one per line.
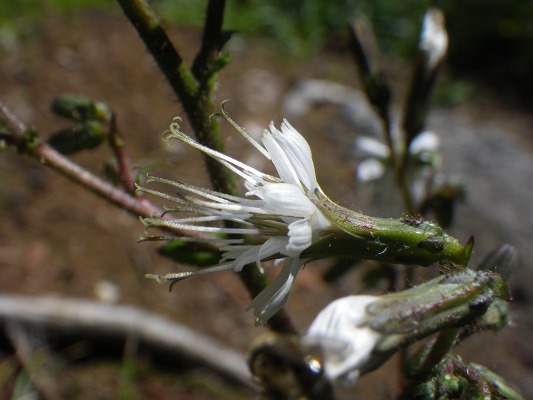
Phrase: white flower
pixel 277 215
pixel 347 342
pixel 376 156
pixel 433 38
pixel 424 161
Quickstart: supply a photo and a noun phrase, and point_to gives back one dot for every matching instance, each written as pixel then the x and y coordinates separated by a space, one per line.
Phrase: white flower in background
pixel 347 342
pixel 424 161
pixel 434 38
pixel 376 156
pixel 277 214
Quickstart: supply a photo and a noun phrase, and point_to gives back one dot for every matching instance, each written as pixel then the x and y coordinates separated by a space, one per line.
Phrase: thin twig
pixel 35 360
pixel 155 38
pixel 363 46
pixel 14 133
pixel 91 319
pixel 440 347
pixel 117 145
pixel 48 156
pixel 12 124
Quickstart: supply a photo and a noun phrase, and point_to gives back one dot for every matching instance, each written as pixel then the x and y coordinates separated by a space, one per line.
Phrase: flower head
pixel 288 218
pixel 277 215
pixel 358 333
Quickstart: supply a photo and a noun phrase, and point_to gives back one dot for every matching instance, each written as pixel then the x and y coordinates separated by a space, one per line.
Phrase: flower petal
pixel 280 218
pixel 273 297
pixel 256 253
pixel 284 199
pixel 300 237
pixel 281 161
pixel 298 151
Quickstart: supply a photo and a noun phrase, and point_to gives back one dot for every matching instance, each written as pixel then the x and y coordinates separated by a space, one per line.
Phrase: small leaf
pixel 188 253
pixel 80 108
pixel 82 136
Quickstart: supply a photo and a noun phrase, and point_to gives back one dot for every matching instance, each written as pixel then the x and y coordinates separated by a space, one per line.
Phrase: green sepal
pixel 499 386
pixel 495 318
pixel 452 378
pixel 405 241
pixel 399 250
pixel 446 301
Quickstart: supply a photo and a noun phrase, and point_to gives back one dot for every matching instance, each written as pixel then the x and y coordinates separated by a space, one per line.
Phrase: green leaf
pixel 80 108
pixel 82 136
pixel 189 253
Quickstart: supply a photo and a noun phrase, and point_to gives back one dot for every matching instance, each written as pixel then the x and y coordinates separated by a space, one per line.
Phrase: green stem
pixel 156 40
pixel 425 364
pixel 206 59
pixel 194 91
pixel 441 346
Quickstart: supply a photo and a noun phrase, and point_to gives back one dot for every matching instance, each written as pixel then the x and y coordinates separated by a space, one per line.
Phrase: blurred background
pixel 287 60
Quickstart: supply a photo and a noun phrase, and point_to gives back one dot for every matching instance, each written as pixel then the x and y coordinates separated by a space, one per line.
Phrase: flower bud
pixel 358 333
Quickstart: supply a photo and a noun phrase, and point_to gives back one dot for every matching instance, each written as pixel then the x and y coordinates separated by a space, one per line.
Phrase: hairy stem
pixel 14 132
pixel 206 58
pixel 196 102
pixel 194 91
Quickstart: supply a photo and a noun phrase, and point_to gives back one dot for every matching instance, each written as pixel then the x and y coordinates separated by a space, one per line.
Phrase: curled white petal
pixel 274 296
pixel 281 161
pixel 298 150
pixel 254 254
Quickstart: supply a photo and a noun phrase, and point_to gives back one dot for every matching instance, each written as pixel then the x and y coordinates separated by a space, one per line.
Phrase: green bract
pixel 406 241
